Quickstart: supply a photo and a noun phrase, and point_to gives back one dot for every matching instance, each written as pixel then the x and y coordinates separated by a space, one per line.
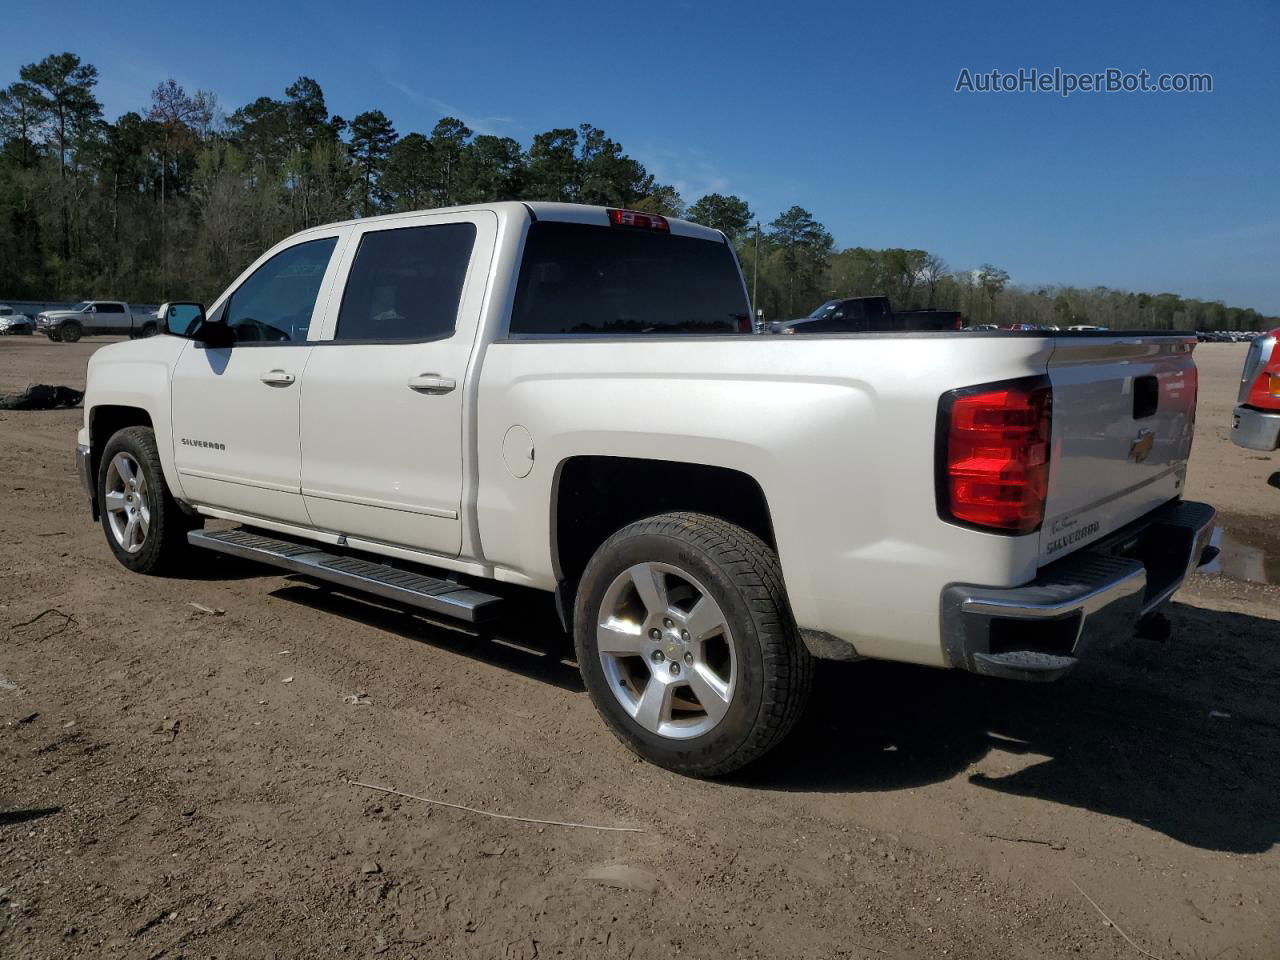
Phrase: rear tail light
pixel 642 221
pixel 1265 391
pixel 993 455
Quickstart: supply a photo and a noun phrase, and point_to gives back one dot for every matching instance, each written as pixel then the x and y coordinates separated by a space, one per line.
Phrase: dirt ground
pixel 175 783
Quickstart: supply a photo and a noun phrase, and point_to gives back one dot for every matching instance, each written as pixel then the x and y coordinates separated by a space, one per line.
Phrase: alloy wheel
pixel 667 651
pixel 125 501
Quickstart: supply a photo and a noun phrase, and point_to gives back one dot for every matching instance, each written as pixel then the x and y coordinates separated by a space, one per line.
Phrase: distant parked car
pixel 1255 422
pixel 11 321
pixel 1085 327
pixel 95 318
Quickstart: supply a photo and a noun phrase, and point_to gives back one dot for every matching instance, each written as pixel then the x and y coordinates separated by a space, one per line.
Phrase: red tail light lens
pixel 993 455
pixel 1265 392
pixel 642 221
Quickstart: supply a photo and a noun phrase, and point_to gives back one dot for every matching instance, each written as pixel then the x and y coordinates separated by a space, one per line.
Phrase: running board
pixel 441 597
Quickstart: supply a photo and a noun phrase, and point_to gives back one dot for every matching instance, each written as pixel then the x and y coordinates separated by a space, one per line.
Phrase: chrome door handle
pixel 432 383
pixel 277 378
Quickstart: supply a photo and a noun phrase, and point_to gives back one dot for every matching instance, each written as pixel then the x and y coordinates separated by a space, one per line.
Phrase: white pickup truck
pixel 92 318
pixel 432 407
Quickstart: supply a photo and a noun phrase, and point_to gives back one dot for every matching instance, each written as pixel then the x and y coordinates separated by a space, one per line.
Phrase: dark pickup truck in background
pixel 867 314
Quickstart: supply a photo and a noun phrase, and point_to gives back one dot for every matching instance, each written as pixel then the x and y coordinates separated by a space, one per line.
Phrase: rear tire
pixel 71 332
pixel 687 645
pixel 144 526
pixel 149 330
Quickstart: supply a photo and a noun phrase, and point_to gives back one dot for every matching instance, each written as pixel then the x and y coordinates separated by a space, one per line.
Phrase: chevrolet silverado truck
pixel 450 409
pixel 93 318
pixel 1255 422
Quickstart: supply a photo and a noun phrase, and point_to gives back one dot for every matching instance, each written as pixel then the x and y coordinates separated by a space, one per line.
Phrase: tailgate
pixel 1123 415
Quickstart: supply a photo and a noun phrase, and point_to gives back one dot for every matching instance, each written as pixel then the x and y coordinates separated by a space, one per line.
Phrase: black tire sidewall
pixel 735 729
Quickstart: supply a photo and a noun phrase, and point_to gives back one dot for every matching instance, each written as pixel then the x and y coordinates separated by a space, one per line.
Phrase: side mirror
pixel 187 319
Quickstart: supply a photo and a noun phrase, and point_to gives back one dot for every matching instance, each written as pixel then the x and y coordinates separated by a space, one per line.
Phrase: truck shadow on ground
pixel 1183 738
pixel 506 650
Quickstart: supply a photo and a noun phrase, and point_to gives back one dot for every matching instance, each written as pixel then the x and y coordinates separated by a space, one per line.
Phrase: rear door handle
pixel 277 378
pixel 432 383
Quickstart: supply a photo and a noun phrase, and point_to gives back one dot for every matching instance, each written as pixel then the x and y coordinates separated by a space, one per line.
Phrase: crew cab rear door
pixel 385 390
pixel 1123 415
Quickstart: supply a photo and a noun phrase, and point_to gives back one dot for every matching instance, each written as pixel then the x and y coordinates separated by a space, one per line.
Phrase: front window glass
pixel 275 304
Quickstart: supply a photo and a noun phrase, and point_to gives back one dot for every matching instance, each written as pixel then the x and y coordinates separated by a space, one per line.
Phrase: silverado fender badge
pixel 1140 449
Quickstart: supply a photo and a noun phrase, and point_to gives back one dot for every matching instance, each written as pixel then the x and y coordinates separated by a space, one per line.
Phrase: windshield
pixel 581 279
pixel 823 310
pixel 80 306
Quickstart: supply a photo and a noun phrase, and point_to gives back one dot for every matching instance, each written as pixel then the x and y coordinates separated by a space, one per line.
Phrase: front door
pixel 235 409
pixel 383 398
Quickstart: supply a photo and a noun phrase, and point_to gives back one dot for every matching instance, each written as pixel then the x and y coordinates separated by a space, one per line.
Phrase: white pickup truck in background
pixel 93 318
pixel 434 406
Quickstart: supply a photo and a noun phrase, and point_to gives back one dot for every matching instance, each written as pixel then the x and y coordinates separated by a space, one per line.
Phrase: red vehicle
pixel 1255 424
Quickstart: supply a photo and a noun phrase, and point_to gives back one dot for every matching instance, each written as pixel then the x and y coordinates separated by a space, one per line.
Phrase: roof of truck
pixel 541 210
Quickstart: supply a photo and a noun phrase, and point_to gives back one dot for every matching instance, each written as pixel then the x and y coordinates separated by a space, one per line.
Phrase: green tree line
pixel 173 200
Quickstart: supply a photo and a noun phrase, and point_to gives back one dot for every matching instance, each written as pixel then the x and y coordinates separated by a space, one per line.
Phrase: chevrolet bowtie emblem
pixel 1140 449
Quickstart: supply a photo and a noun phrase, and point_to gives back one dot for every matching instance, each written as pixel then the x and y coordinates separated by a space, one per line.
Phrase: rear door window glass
pixel 406 284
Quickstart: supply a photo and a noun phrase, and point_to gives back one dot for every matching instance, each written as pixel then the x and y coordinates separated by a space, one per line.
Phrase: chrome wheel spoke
pixel 124 467
pixel 651 586
pixel 654 708
pixel 711 692
pixel 704 620
pixel 114 501
pixel 619 639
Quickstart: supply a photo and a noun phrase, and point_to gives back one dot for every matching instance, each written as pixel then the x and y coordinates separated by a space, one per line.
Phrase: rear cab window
pixel 583 280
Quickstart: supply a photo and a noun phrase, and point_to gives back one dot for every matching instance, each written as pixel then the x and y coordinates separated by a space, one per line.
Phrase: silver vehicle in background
pixel 96 318
pixel 12 322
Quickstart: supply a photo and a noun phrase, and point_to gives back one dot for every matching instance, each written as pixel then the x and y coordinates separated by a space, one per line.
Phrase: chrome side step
pixel 442 597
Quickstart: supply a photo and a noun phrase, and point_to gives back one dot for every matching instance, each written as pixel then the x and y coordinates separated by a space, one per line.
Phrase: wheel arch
pixel 105 420
pixel 608 492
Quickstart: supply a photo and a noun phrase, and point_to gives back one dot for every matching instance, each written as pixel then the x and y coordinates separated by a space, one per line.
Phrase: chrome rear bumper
pixel 1039 631
pixel 1255 429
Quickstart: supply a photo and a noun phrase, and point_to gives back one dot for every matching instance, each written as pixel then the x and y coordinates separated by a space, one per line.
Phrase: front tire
pixel 687 646
pixel 144 526
pixel 70 332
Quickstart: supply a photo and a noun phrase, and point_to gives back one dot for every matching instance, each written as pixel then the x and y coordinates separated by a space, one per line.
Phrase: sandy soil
pixel 166 793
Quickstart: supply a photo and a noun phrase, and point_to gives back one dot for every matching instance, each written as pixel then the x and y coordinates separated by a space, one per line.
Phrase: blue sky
pixel 846 109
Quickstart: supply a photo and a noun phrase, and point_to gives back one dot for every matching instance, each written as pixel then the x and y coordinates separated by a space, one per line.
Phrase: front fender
pixel 138 374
